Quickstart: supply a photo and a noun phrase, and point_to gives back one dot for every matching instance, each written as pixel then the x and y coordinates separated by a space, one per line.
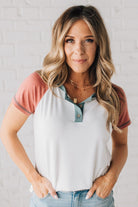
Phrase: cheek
pixel 67 51
pixel 92 52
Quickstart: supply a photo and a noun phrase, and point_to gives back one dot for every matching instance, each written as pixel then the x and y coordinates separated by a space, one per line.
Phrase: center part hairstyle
pixel 55 70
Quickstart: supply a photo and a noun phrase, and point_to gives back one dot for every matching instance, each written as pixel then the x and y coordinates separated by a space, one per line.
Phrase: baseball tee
pixel 70 139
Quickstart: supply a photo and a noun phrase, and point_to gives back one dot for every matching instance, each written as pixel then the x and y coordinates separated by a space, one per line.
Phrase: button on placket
pixel 78 115
pixel 78 108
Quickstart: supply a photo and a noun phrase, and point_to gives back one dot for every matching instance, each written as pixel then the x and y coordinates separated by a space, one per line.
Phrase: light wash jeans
pixel 72 199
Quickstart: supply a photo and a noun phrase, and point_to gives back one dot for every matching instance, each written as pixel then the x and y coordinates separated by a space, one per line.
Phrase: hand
pixel 42 186
pixel 103 186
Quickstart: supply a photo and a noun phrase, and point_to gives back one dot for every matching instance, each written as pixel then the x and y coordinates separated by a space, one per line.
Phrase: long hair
pixel 55 70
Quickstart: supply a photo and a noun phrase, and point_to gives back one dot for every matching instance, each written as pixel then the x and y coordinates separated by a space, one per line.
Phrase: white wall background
pixel 25 34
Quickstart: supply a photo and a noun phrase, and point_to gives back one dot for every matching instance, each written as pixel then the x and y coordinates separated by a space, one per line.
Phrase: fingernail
pixel 56 197
pixel 87 197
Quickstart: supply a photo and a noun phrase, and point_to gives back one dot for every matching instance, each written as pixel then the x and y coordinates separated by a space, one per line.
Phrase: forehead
pixel 79 27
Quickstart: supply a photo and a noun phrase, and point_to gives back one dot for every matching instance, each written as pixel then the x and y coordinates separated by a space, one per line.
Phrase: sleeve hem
pixel 18 106
pixel 125 124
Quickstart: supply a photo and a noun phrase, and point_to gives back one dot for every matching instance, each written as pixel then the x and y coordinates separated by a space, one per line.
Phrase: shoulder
pixel 30 93
pixel 120 92
pixel 35 79
pixel 33 83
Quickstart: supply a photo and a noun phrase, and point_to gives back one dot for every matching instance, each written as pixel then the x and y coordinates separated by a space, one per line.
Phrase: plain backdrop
pixel 25 38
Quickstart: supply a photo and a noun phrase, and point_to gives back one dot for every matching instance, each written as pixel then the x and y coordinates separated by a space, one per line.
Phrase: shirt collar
pixel 93 96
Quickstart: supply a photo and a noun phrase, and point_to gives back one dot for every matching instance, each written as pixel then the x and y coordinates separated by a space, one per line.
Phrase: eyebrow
pixel 85 36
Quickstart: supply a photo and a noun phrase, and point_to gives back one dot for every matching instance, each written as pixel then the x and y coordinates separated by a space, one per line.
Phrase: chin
pixel 79 70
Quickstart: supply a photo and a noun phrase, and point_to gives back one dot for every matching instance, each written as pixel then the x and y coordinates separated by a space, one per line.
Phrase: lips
pixel 79 60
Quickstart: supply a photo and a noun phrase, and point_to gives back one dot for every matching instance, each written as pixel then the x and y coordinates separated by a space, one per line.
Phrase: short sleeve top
pixel 70 139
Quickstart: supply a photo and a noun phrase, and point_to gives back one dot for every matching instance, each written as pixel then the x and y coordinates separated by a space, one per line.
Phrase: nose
pixel 79 48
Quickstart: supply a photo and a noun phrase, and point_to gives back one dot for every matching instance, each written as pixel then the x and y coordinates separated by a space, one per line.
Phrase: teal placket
pixel 78 107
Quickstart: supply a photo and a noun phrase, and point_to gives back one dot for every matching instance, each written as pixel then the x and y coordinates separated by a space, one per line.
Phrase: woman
pixel 76 111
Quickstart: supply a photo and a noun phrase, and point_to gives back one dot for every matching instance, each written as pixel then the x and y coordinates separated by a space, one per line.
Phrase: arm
pixel 12 122
pixel 119 153
pixel 104 184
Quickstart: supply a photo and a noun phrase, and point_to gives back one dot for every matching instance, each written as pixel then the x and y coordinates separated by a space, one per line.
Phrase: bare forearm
pixel 119 157
pixel 19 156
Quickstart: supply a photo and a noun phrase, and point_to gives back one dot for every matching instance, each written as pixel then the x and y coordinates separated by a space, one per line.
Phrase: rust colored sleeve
pixel 29 93
pixel 124 118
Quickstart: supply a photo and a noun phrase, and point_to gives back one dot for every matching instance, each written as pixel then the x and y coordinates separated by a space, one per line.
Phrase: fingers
pixel 43 186
pixel 52 191
pixel 45 193
pixel 103 194
pixel 101 187
pixel 91 192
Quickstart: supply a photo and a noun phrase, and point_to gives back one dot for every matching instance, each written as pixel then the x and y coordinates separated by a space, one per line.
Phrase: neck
pixel 80 79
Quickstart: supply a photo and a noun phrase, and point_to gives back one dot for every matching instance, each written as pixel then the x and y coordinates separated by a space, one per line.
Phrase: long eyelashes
pixel 89 40
pixel 72 40
pixel 69 40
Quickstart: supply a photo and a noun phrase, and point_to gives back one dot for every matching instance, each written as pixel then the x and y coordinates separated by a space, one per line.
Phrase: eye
pixel 89 40
pixel 69 40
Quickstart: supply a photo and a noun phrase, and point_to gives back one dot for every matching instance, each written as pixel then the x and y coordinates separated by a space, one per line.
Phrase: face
pixel 79 47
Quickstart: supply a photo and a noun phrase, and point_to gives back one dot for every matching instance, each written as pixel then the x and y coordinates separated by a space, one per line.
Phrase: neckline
pixel 62 87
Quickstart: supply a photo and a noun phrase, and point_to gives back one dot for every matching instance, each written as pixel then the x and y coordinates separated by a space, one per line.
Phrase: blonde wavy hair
pixel 55 70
